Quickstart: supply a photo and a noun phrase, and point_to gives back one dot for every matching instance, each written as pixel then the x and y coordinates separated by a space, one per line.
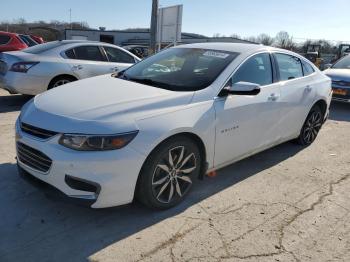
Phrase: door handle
pixel 77 67
pixel 308 89
pixel 273 97
pixel 115 69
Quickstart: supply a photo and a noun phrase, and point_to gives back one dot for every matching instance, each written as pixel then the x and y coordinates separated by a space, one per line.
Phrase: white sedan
pixel 36 69
pixel 150 133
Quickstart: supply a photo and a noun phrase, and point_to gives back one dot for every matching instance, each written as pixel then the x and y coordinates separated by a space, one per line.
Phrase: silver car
pixel 36 69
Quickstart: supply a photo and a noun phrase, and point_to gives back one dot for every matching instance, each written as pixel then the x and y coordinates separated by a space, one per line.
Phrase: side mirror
pixel 241 88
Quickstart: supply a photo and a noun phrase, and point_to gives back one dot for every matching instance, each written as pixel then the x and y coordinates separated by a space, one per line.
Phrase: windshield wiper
pixel 145 81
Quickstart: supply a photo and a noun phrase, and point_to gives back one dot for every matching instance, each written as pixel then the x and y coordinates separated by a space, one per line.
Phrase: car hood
pixel 100 105
pixel 338 74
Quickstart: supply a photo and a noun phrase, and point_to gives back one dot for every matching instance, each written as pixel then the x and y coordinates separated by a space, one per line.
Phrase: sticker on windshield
pixel 216 54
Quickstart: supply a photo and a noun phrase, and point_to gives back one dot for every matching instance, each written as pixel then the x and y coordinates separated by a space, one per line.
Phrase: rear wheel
pixel 311 127
pixel 169 173
pixel 61 80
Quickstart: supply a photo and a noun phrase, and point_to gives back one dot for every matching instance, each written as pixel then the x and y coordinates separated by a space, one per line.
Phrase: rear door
pixel 247 123
pixel 87 61
pixel 297 92
pixel 118 59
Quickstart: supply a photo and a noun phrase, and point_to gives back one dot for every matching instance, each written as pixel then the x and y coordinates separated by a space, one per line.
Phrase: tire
pixel 61 80
pixel 311 127
pixel 169 173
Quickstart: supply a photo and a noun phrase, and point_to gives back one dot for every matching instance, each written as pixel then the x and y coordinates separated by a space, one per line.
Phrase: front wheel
pixel 169 173
pixel 311 127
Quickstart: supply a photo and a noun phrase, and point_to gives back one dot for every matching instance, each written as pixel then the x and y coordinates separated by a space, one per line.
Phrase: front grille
pixel 36 131
pixel 33 158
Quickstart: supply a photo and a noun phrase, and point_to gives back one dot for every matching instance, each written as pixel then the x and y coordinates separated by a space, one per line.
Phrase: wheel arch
pixel 74 78
pixel 194 137
pixel 322 104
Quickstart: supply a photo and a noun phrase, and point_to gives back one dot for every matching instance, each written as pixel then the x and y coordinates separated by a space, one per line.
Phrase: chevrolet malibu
pixel 150 131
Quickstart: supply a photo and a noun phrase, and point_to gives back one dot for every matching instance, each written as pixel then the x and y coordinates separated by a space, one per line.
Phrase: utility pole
pixel 70 18
pixel 153 30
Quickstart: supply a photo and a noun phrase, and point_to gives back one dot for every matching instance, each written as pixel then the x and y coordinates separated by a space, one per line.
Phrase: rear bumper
pixel 21 83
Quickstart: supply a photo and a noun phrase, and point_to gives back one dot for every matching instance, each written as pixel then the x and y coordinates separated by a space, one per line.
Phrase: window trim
pixel 301 61
pixel 63 53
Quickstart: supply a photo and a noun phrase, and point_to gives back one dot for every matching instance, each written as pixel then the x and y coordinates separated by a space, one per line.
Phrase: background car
pixel 11 42
pixel 37 39
pixel 340 75
pixel 42 67
pixel 28 40
pixel 151 132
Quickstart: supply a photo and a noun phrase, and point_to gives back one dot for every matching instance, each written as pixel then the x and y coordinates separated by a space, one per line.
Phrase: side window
pixel 289 67
pixel 308 69
pixel 70 54
pixel 91 53
pixel 256 69
pixel 118 56
pixel 4 39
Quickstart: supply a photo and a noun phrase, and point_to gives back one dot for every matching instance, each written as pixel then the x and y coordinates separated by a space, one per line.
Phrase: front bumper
pixel 115 172
pixel 23 83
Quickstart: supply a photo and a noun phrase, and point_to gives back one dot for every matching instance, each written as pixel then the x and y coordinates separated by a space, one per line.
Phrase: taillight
pixel 22 67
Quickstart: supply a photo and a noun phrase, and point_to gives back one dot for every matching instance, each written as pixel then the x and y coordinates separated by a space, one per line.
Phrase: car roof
pixel 233 47
pixel 8 33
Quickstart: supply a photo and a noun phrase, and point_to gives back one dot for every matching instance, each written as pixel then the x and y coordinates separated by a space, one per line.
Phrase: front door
pixel 247 123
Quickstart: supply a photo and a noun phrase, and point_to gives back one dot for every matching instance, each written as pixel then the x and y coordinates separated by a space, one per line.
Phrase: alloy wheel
pixel 61 82
pixel 172 176
pixel 312 127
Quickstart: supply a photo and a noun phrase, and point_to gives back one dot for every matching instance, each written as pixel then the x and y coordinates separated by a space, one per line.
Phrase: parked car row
pixel 39 68
pixel 15 42
pixel 151 130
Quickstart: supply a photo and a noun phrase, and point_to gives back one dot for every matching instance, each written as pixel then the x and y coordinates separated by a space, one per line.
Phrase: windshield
pixel 343 63
pixel 180 69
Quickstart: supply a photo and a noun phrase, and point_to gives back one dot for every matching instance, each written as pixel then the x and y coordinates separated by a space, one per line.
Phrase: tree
pixel 283 40
pixel 265 39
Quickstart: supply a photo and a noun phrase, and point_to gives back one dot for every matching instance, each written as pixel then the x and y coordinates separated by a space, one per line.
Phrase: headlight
pixel 97 143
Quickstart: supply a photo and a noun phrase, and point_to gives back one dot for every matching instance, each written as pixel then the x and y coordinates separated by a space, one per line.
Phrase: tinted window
pixel 308 69
pixel 4 39
pixel 70 53
pixel 289 67
pixel 118 56
pixel 180 69
pixel 91 53
pixel 256 69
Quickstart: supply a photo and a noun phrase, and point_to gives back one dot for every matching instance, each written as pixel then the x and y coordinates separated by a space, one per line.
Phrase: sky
pixel 303 19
